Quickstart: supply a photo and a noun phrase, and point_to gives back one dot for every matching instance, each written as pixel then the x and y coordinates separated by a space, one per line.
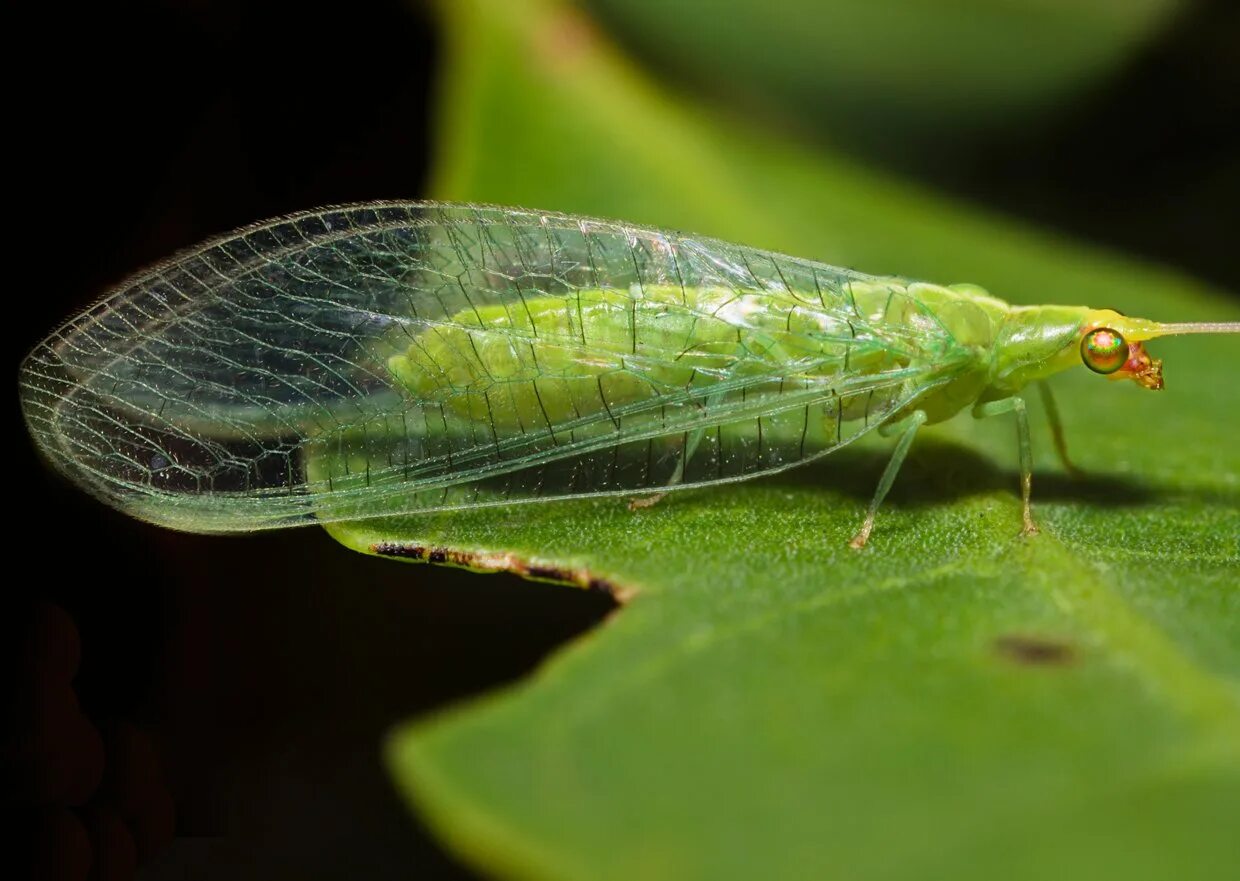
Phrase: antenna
pixel 1197 327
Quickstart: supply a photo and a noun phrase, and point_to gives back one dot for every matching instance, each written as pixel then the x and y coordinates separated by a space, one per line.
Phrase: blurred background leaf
pixel 887 75
pixel 1077 114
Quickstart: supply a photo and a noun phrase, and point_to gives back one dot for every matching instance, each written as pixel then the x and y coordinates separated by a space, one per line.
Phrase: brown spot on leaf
pixel 565 40
pixel 483 561
pixel 1035 651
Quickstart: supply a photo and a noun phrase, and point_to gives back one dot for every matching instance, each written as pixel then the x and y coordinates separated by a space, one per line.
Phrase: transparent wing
pixel 387 358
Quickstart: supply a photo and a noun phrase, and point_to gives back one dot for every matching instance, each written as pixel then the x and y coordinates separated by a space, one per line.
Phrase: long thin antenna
pixel 1199 327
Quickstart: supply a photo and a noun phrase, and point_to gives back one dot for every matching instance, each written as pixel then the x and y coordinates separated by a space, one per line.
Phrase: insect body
pixel 401 357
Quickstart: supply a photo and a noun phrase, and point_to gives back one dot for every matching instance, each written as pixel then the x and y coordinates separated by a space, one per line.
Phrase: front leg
pixel 1017 406
pixel 1052 416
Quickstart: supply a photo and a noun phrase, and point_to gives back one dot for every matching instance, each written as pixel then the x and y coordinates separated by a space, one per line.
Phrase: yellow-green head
pixel 1038 341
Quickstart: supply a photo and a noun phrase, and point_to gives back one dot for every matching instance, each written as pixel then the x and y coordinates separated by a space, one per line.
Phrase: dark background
pixel 266 669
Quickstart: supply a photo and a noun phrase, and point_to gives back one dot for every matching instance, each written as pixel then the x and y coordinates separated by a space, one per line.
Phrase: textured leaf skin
pixel 786 708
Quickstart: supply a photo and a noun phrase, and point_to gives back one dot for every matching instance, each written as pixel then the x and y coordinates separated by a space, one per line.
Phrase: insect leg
pixel 1052 416
pixel 910 425
pixel 1017 406
pixel 692 439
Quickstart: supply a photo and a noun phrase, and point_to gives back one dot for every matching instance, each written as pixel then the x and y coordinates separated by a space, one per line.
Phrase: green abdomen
pixel 542 363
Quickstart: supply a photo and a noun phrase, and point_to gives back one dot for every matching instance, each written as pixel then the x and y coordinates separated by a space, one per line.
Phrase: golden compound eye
pixel 1104 350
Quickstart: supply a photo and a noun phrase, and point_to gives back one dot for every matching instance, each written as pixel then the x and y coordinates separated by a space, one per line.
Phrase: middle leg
pixel 1017 406
pixel 909 428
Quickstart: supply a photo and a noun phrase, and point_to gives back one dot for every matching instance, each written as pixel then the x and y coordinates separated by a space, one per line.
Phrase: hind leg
pixel 909 428
pixel 692 439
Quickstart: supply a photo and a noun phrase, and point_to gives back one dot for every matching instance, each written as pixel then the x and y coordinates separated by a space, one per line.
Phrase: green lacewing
pixel 400 357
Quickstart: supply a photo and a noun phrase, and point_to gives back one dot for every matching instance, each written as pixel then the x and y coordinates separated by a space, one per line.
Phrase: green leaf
pixel 869 70
pixel 951 702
